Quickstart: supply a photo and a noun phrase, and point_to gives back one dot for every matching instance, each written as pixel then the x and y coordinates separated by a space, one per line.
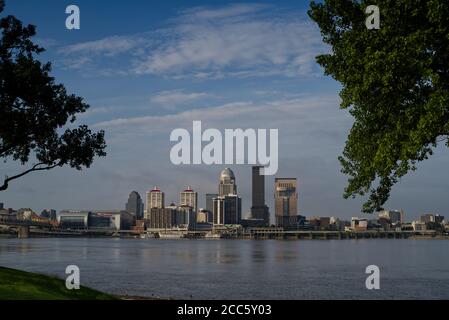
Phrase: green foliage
pixel 395 83
pixel 34 110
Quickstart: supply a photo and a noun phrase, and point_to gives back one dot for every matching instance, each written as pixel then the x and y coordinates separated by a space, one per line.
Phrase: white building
pixel 155 199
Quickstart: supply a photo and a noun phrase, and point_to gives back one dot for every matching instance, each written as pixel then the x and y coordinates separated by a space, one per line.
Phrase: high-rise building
pixel 286 202
pixel 135 205
pixel 189 198
pixel 155 199
pixel 209 201
pixel 259 210
pixel 227 210
pixel 227 184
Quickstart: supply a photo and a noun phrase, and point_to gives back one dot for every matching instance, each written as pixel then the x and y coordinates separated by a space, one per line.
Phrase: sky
pixel 149 67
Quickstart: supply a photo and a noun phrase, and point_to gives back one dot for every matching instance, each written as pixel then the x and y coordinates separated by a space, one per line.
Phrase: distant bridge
pixel 23 226
pixel 268 233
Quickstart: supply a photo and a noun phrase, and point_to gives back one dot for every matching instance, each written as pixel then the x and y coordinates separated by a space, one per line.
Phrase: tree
pixel 395 83
pixel 35 113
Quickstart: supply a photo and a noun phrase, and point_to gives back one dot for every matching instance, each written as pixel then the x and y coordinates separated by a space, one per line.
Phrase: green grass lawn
pixel 21 285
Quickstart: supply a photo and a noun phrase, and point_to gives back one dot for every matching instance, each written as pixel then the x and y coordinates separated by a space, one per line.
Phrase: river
pixel 241 269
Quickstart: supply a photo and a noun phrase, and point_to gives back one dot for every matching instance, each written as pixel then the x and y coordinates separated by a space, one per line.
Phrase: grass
pixel 21 285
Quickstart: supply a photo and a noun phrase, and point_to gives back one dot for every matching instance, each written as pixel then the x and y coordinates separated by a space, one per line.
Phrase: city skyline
pixel 138 98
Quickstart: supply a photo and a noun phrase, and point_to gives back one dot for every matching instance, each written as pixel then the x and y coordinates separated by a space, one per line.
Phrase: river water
pixel 241 269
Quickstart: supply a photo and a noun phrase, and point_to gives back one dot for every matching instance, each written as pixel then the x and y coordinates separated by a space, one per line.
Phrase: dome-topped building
pixel 227 184
pixel 227 175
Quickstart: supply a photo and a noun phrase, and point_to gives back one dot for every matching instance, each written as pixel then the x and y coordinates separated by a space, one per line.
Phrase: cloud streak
pixel 231 41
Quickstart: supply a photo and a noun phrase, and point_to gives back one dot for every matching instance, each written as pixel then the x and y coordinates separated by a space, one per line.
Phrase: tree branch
pixel 34 168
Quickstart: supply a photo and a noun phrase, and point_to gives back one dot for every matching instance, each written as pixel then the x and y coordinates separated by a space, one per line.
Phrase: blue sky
pixel 148 67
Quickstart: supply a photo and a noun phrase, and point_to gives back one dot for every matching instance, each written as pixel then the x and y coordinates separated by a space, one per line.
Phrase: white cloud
pixel 236 40
pixel 306 115
pixel 176 97
pixel 109 46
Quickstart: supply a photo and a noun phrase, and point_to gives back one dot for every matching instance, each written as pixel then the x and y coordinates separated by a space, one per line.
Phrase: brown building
pixel 161 218
pixel 286 202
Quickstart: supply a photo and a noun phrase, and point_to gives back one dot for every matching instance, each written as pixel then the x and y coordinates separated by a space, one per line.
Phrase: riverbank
pixel 21 285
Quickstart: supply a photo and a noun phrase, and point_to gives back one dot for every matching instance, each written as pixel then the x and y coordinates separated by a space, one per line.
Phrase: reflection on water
pixel 242 269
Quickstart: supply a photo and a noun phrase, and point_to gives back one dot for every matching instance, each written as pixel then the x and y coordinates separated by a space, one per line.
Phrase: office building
pixel 227 184
pixel 209 201
pixel 259 210
pixel 286 202
pixel 189 198
pixel 227 210
pixel 135 205
pixel 394 216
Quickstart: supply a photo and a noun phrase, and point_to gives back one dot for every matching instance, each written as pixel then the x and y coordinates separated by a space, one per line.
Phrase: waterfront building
pixel 439 218
pixel 359 224
pixel 419 226
pixel 227 210
pixel 427 218
pixel 170 217
pixel 259 209
pixel 188 197
pixel 73 219
pixel 135 205
pixel 325 223
pixel 110 220
pixel 26 214
pixel 155 199
pixel 286 202
pixel 49 214
pixel 394 216
pixel 227 185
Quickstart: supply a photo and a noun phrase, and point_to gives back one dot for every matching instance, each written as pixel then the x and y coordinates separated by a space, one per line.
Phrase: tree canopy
pixel 35 112
pixel 395 84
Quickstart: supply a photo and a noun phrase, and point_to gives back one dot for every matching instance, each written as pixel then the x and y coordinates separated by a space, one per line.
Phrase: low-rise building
pixel 359 224
pixel 419 226
pixel 69 219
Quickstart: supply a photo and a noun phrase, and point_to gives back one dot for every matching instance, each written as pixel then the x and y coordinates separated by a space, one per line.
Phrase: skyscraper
pixel 286 202
pixel 135 205
pixel 189 198
pixel 209 201
pixel 155 199
pixel 259 210
pixel 227 209
pixel 227 184
pixel 227 206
